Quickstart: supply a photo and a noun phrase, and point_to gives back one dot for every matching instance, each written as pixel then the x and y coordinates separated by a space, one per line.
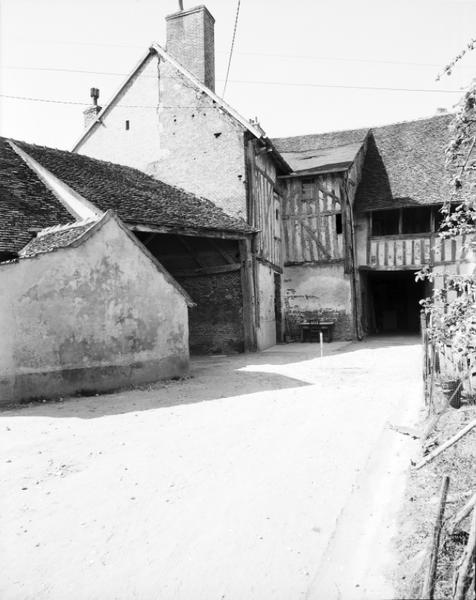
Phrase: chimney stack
pixel 91 112
pixel 191 40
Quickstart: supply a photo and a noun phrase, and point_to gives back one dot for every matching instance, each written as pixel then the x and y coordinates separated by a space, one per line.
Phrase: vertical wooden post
pixel 248 293
pixel 429 582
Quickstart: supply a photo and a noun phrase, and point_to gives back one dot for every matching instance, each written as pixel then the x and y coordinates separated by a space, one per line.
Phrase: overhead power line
pixel 276 83
pixel 232 46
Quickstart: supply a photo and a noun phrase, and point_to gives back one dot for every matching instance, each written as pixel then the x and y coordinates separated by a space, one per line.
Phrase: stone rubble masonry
pixel 216 322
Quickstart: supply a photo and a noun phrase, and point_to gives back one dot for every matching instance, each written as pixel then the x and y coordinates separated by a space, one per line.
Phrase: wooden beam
pixel 191 232
pixel 313 235
pixel 264 261
pixel 249 298
pixel 207 270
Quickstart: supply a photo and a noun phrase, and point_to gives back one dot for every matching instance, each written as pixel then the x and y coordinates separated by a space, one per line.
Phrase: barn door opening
pixel 278 309
pixel 392 301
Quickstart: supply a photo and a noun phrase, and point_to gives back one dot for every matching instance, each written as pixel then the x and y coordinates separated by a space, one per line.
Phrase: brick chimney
pixel 91 112
pixel 191 40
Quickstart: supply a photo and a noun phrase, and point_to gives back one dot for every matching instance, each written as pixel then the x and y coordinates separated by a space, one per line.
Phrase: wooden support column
pixel 248 292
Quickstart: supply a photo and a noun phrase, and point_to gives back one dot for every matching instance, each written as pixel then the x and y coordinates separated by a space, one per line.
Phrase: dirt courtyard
pixel 263 476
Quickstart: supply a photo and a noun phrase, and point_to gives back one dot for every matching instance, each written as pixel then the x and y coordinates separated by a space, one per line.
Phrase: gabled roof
pixel 404 163
pixel 155 48
pixel 74 234
pixel 26 203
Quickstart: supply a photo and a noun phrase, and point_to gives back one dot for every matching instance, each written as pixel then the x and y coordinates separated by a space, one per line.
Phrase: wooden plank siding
pixel 412 251
pixel 310 208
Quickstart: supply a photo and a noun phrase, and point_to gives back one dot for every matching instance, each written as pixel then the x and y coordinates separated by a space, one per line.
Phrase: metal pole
pixel 321 342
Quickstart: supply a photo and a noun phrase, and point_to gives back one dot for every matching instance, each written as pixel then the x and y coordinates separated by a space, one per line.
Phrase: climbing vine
pixel 451 311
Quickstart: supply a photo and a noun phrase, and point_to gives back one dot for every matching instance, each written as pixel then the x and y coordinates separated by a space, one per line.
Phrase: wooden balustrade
pixel 412 251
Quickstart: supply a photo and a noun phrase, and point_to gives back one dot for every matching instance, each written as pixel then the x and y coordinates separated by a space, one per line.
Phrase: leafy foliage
pixel 451 311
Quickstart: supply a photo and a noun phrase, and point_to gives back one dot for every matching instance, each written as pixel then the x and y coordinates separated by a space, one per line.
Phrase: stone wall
pixel 89 318
pixel 216 323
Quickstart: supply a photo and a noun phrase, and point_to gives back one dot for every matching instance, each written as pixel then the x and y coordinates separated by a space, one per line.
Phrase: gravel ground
pixel 263 476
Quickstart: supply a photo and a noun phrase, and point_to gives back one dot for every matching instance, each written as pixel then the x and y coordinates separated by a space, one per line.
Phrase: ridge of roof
pixel 74 203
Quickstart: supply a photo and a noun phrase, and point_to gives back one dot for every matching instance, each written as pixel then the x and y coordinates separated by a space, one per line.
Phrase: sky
pixel 296 65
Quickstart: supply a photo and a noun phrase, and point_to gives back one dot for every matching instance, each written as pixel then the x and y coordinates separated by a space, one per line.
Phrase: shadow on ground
pixel 211 378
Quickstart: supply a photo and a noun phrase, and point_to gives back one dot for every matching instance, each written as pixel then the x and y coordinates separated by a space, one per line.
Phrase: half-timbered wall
pixel 315 282
pixel 312 220
pixel 264 204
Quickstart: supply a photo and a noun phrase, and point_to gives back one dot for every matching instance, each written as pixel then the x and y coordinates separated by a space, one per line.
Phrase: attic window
pixel 128 125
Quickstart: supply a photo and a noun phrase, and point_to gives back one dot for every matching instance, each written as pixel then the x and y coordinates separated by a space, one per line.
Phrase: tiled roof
pixel 59 236
pixel 25 203
pixel 137 198
pixel 404 163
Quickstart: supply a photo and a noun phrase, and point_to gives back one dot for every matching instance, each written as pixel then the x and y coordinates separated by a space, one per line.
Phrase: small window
pixel 128 125
pixel 385 222
pixel 339 223
pixel 277 214
pixel 416 220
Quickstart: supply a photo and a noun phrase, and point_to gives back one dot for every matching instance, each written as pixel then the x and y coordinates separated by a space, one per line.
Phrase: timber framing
pixel 190 231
